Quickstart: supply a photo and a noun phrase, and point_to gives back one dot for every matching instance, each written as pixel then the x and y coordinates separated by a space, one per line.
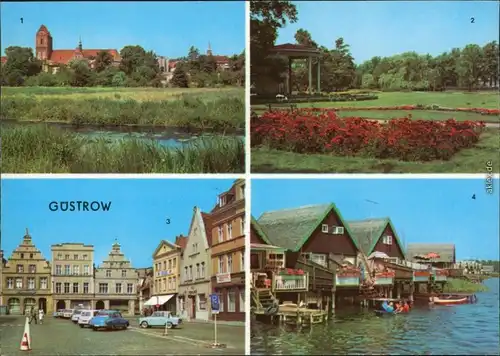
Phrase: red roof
pixel 63 56
pixel 43 29
pixel 181 241
pixel 221 59
pixel 207 221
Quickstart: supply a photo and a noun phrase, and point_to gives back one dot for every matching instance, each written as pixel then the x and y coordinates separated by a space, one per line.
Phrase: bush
pixel 322 131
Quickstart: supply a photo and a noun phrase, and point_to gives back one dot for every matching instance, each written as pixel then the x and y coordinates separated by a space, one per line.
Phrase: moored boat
pixel 443 301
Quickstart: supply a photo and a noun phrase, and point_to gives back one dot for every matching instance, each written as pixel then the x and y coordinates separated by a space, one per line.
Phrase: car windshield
pixel 76 312
pixel 86 313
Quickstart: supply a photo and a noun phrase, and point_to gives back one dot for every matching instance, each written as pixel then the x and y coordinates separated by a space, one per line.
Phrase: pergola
pixel 296 51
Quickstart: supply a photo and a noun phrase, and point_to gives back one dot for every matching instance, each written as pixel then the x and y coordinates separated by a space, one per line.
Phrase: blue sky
pixel 137 218
pixel 423 210
pixel 384 28
pixel 167 28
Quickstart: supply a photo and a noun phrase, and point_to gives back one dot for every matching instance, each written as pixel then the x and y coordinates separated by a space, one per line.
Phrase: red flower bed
pixel 411 107
pixel 421 273
pixel 313 131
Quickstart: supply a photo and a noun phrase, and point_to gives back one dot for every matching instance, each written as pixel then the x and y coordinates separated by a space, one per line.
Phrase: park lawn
pixel 472 160
pixel 484 99
pixel 136 94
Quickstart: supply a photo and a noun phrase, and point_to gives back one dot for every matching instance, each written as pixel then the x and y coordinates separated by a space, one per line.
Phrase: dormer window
pixel 222 200
pixel 324 228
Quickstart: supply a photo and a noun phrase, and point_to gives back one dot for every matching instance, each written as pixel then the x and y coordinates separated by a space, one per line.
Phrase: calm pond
pixel 167 137
pixel 469 329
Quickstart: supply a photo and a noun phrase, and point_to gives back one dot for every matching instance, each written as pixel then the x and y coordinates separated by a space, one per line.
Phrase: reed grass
pixel 456 285
pixel 52 150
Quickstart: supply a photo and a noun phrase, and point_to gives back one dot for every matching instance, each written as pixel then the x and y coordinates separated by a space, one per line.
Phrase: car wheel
pixel 144 324
pixel 81 325
pixel 94 328
pixel 169 325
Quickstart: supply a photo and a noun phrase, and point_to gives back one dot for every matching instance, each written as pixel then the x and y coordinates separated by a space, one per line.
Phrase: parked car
pixel 160 318
pixel 67 313
pixel 76 315
pixel 85 317
pixel 58 313
pixel 108 320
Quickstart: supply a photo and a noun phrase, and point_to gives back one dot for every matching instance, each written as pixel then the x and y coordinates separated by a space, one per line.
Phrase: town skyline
pixel 441 202
pixel 152 34
pixel 144 213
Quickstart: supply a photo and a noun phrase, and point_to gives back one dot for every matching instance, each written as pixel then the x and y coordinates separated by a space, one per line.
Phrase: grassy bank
pixel 472 160
pixel 455 285
pixel 217 110
pixel 51 150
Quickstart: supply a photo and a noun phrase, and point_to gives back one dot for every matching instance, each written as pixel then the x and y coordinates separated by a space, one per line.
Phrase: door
pixel 193 307
pixel 14 306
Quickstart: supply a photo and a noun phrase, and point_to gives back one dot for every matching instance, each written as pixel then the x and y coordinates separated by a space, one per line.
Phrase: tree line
pixel 137 68
pixel 471 67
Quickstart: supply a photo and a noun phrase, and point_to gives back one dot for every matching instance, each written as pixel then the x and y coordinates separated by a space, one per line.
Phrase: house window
pixel 85 257
pixel 169 264
pixel 174 283
pixel 66 287
pixel 67 270
pixel 202 302
pixel 186 274
pixel 124 273
pixel 44 283
pixel 41 40
pixel 19 283
pixel 59 256
pixel 118 288
pixel 319 259
pixel 32 268
pixel 75 257
pixel 242 227
pixel 229 263
pixel 31 283
pixel 85 288
pixel 202 270
pixel 221 264
pixel 20 269
pixel 222 300
pixel 242 299
pixel 242 266
pixel 324 228
pixel 229 231
pixel 86 270
pixel 58 269
pixel 66 257
pixel 130 288
pixel 231 302
pixel 108 273
pixel 222 200
pixel 10 283
pixel 220 233
pixel 197 270
pixel 58 288
pixel 22 255
pixel 103 288
pixel 387 240
pixel 164 265
pixel 75 287
pixel 174 263
pixel 191 272
pixel 76 270
pixel 31 255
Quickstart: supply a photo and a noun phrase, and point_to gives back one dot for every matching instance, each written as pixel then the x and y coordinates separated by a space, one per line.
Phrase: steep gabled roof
pixel 291 228
pixel 162 242
pixel 259 231
pixel 368 232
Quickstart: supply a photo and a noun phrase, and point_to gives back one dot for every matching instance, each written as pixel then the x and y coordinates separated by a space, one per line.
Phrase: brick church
pixel 54 58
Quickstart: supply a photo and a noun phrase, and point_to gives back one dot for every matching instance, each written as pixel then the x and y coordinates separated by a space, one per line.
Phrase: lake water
pixel 167 137
pixel 469 329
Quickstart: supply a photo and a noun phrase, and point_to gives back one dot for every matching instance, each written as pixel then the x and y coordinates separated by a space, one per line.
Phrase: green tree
pixel 81 74
pixel 119 79
pixel 179 78
pixel 20 60
pixel 469 66
pixel 103 60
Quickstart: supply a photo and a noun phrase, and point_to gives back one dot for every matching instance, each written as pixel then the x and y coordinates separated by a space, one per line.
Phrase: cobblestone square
pixel 62 337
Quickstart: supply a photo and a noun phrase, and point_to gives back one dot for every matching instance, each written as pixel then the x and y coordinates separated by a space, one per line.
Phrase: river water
pixel 469 329
pixel 167 137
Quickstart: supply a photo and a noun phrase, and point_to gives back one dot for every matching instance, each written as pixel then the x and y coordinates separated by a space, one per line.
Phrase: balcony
pixel 285 281
pixel 440 275
pixel 348 279
pixel 384 278
pixel 421 276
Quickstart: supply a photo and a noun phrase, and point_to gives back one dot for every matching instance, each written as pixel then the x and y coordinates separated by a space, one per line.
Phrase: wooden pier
pixel 291 315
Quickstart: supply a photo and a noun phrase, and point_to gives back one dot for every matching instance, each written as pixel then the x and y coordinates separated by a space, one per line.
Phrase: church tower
pixel 43 43
pixel 209 50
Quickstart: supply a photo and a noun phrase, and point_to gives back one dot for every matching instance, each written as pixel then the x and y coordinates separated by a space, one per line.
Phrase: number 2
pixel 472 19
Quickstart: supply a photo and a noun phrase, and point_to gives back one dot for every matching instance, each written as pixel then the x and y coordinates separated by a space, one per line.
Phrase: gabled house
pixel 377 235
pixel 314 232
pixel 195 284
pixel 166 275
pixel 444 254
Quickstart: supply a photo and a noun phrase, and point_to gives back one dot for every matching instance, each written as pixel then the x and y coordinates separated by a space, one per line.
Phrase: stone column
pixel 67 304
pixel 310 75
pixel 106 304
pixel 131 307
pixel 319 76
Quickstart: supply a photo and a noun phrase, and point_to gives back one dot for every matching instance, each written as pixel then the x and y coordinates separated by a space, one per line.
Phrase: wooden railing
pixel 290 282
pixel 320 278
